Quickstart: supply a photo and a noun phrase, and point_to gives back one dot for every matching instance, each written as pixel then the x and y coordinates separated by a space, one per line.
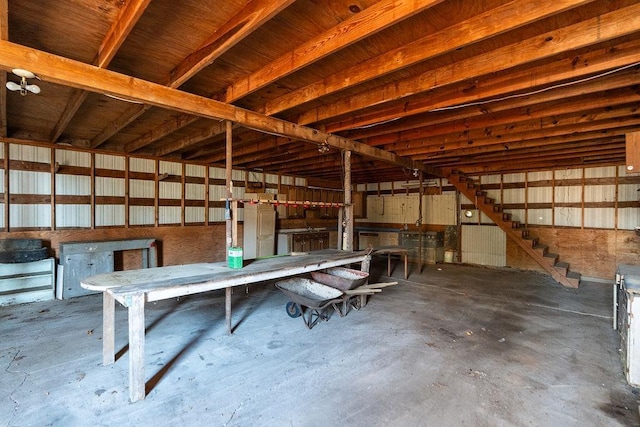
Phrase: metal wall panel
pixel 29 216
pixel 141 215
pixel 539 216
pixel 599 218
pixel 110 187
pixel 73 216
pixel 568 217
pixel 111 162
pixel 568 194
pixel 169 215
pixel 484 245
pixel 73 185
pixel 109 215
pixel 628 218
pixel 599 193
pixel 628 192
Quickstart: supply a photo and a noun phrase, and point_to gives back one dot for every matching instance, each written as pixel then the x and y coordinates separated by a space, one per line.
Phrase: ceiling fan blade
pixel 23 73
pixel 13 86
pixel 33 88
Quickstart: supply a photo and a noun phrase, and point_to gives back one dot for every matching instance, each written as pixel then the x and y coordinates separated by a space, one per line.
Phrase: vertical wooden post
pixel 53 188
pixel 183 190
pixel 207 194
pixel 231 214
pixel 7 173
pixel 420 227
pixel 156 199
pixel 93 191
pixel 127 187
pixel 347 245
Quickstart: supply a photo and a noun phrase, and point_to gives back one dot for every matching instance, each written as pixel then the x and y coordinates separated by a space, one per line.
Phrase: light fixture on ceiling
pixel 324 148
pixel 23 87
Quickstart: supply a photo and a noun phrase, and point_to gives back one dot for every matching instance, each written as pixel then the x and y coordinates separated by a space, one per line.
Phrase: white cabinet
pixel 627 303
pixel 259 230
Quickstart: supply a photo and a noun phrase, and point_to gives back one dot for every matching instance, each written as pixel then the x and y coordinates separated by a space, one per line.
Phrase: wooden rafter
pixel 371 20
pixel 605 27
pixel 214 129
pixel 76 74
pixel 480 27
pixel 250 18
pixel 116 35
pixel 558 101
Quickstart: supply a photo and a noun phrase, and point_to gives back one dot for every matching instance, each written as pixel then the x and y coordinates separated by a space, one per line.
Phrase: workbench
pixel 133 288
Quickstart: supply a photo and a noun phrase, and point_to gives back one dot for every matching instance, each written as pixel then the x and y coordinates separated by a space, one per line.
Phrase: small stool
pixel 394 250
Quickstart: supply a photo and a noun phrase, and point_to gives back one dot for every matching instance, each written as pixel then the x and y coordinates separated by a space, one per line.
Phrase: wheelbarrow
pixel 310 299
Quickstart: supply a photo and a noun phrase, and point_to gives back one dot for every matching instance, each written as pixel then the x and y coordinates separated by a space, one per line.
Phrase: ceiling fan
pixel 23 87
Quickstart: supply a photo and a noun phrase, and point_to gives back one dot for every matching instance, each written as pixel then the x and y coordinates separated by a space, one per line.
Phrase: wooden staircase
pixel 549 261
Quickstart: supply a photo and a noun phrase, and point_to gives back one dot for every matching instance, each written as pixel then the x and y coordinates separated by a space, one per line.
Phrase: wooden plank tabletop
pixel 179 280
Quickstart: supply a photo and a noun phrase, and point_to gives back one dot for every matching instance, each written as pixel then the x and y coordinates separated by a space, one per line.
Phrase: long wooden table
pixel 132 288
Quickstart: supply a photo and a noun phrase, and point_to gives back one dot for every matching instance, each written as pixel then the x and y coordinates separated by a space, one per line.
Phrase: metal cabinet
pixel 79 260
pixel 626 320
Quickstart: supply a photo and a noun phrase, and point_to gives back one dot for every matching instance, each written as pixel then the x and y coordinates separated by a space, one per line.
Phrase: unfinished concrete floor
pixel 453 346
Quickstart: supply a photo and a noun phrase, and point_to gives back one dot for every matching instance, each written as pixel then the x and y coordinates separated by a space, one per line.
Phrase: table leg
pixel 108 329
pixel 136 348
pixel 227 307
pixel 389 264
pixel 406 264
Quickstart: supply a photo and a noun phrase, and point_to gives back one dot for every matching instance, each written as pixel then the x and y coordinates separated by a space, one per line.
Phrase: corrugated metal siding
pixel 484 245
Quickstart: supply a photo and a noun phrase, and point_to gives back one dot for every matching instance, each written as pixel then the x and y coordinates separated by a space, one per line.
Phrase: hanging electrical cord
pixel 535 92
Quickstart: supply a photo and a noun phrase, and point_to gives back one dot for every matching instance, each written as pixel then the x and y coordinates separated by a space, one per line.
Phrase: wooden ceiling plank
pixel 4 35
pixel 559 101
pixel 59 70
pixel 546 119
pixel 131 114
pixel 173 124
pixel 605 27
pixel 250 18
pixel 229 34
pixel 481 27
pixel 484 90
pixel 369 21
pixel 575 133
pixel 127 18
pixel 216 128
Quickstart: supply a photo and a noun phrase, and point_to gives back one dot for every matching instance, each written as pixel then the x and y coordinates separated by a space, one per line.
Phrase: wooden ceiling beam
pixel 363 24
pixel 585 96
pixel 605 27
pixel 173 124
pixel 214 129
pixel 517 130
pixel 127 18
pixel 480 27
pixel 612 158
pixel 64 71
pixel 560 136
pixel 215 151
pixel 250 18
pixel 486 92
pixel 559 151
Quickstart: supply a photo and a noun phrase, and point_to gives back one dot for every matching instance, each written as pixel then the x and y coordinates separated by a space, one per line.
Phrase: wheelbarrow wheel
pixel 293 309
